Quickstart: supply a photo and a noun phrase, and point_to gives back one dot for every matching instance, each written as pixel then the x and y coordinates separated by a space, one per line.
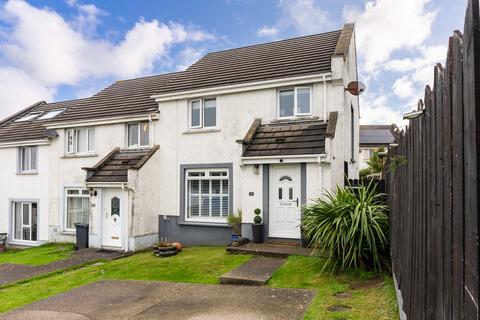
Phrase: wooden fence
pixel 434 195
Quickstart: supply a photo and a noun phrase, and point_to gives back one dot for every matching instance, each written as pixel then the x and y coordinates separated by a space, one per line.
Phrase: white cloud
pixel 403 87
pixel 385 26
pixel 303 16
pixel 266 31
pixel 188 56
pixel 421 68
pixel 375 110
pixel 19 90
pixel 50 50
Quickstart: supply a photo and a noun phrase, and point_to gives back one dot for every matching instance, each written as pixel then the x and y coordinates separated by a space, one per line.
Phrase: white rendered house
pixel 267 126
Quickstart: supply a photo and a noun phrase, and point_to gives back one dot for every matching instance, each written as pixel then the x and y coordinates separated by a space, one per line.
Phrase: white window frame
pixel 295 101
pixel 73 148
pixel 30 206
pixel 202 111
pixel 65 199
pixel 138 145
pixel 29 117
pixel 21 169
pixel 207 176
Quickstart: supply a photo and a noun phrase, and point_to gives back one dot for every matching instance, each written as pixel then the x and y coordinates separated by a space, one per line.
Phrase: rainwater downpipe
pixel 324 98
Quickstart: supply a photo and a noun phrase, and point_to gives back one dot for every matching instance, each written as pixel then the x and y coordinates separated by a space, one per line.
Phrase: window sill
pixel 32 173
pixel 83 155
pixel 24 243
pixel 201 130
pixel 295 118
pixel 204 224
pixel 67 233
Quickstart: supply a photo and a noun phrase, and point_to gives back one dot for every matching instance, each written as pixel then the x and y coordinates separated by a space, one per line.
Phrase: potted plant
pixel 257 227
pixel 235 223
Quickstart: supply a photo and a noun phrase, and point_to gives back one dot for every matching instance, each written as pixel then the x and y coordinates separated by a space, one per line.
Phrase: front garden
pixel 373 299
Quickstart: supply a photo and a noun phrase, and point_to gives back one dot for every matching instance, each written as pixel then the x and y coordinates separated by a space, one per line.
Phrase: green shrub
pixel 235 221
pixel 350 226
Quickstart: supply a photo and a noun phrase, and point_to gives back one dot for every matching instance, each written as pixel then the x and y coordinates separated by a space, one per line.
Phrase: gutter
pixel 14 144
pixel 242 87
pixel 112 120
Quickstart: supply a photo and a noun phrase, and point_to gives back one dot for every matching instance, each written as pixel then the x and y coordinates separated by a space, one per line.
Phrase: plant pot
pixel 257 232
pixel 3 248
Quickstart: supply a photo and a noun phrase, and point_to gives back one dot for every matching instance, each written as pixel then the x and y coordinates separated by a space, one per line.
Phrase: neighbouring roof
pixel 376 135
pixel 114 167
pixel 291 138
pixel 301 56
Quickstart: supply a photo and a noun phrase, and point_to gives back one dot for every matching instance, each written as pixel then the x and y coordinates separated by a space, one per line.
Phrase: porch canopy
pixel 113 168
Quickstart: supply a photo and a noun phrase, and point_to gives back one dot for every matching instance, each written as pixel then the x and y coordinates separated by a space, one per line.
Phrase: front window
pixel 80 141
pixel 203 113
pixel 139 135
pixel 207 195
pixel 25 217
pixel 294 102
pixel 77 207
pixel 28 159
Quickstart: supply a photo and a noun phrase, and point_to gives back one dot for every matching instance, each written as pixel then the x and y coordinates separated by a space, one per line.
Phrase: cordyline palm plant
pixel 351 226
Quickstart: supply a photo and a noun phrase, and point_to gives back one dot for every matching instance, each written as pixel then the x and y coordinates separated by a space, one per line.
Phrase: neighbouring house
pixel 374 137
pixel 266 126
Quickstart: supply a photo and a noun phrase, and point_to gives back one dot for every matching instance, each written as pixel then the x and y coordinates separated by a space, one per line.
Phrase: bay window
pixel 80 141
pixel 207 195
pixel 295 101
pixel 77 204
pixel 203 113
pixel 138 134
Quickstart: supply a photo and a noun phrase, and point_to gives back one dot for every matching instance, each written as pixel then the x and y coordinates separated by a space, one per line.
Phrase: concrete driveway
pixel 168 300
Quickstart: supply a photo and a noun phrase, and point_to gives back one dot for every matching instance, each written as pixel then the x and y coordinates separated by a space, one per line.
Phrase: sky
pixel 54 50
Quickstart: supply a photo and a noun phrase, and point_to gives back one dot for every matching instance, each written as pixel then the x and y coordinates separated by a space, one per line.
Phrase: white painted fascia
pixel 15 144
pixel 94 122
pixel 249 86
pixel 314 158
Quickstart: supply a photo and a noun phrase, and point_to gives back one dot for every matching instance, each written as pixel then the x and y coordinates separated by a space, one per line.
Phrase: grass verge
pixel 365 297
pixel 36 256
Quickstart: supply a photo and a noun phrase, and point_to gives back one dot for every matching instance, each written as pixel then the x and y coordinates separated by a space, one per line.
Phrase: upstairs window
pixel 28 159
pixel 80 141
pixel 295 101
pixel 203 113
pixel 139 135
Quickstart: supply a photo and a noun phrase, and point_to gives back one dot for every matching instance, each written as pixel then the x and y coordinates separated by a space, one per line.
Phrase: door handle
pixel 297 202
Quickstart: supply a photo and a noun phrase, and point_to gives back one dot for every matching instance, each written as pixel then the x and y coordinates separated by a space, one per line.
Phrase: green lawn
pixel 375 299
pixel 194 265
pixel 44 254
pixel 205 265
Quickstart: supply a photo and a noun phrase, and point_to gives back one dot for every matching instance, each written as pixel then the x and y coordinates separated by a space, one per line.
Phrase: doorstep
pixel 270 250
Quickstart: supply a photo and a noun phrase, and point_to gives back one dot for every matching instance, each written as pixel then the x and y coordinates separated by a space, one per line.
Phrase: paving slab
pixel 256 271
pixel 11 272
pixel 147 300
pixel 270 250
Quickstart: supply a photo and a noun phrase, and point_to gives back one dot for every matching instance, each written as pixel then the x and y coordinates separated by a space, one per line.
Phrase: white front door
pixel 113 215
pixel 285 207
